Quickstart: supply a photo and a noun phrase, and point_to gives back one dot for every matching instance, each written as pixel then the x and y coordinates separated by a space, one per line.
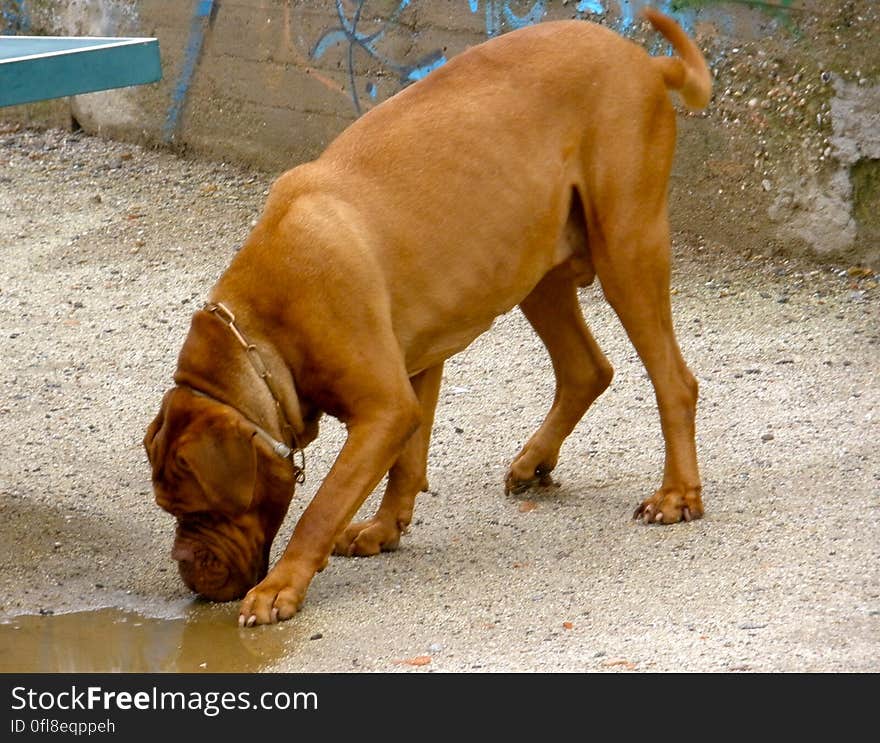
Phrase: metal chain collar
pixel 225 315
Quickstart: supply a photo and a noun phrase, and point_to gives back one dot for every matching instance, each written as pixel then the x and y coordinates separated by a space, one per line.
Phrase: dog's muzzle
pixel 216 559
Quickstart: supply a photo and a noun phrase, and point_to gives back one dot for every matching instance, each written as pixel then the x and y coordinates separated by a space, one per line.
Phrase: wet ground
pixel 197 638
pixel 106 251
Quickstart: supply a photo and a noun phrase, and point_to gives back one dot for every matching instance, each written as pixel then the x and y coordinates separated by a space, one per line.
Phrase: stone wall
pixel 786 158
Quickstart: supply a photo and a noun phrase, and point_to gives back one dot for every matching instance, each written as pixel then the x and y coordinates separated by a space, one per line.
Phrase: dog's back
pixel 507 146
pixel 504 133
pixel 529 77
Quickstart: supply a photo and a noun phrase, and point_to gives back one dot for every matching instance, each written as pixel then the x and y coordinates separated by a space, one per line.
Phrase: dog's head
pixel 225 485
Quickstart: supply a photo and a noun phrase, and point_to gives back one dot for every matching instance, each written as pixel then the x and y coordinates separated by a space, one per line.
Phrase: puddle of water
pixel 204 639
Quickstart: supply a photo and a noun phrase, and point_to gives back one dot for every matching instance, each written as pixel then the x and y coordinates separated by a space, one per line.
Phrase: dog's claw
pixel 241 620
pixel 644 512
pixel 275 615
pixel 668 506
pixel 516 487
pixel 545 480
pixel 252 620
pixel 366 538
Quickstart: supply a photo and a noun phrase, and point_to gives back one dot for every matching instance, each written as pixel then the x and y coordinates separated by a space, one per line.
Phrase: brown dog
pixel 517 172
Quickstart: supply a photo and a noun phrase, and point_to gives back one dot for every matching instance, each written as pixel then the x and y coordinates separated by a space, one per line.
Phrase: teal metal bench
pixel 36 68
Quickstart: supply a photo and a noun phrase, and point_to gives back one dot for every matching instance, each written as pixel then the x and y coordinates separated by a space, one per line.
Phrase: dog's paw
pixel 515 484
pixel 366 538
pixel 274 599
pixel 669 506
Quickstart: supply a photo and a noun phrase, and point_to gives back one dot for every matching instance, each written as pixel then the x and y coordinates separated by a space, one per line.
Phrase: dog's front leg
pixel 407 477
pixel 375 439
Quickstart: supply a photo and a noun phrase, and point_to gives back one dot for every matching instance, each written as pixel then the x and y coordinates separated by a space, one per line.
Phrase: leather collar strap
pixel 224 314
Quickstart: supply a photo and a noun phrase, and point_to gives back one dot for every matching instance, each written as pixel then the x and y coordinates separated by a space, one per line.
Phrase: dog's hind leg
pixel 632 262
pixel 581 369
pixel 406 478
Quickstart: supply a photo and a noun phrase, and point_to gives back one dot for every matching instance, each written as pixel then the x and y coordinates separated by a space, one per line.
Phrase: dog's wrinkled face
pixel 226 488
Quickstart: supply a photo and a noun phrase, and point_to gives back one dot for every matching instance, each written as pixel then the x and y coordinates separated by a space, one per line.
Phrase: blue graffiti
pixel 627 15
pixel 348 33
pixel 499 16
pixel 15 15
pixel 360 31
pixel 590 6
pixel 203 16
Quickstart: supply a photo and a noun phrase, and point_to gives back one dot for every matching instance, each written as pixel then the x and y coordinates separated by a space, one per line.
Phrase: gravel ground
pixel 108 248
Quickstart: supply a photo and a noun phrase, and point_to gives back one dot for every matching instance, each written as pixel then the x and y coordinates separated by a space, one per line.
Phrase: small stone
pixel 767 437
pixel 766 185
pixel 435 647
pixel 858 272
pixel 316 636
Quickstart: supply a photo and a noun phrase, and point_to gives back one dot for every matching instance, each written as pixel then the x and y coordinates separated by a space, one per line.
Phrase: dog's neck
pixel 241 371
pixel 294 455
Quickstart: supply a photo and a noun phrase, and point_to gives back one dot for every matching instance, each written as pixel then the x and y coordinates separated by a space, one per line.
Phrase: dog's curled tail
pixel 687 73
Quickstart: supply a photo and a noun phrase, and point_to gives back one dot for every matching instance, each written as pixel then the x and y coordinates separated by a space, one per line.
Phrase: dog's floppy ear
pixel 150 443
pixel 222 459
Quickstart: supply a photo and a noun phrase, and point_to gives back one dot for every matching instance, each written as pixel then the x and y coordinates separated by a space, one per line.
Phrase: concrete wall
pixel 787 154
